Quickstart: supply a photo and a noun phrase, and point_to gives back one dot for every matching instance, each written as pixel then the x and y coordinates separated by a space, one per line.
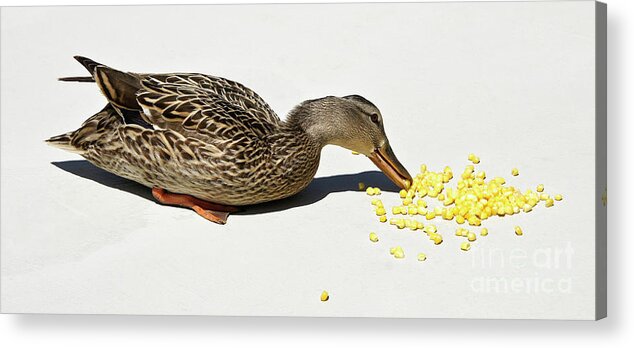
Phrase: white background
pixel 158 331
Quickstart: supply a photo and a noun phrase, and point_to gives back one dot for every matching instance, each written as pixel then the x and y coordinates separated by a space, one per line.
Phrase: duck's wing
pixel 208 106
pixel 205 107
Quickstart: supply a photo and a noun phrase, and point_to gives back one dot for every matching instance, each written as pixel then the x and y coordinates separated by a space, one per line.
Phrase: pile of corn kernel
pixel 474 199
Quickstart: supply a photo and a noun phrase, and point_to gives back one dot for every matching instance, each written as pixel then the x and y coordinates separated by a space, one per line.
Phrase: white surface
pixel 25 331
pixel 512 82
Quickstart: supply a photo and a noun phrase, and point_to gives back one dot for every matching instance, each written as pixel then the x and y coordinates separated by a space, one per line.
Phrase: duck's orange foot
pixel 213 212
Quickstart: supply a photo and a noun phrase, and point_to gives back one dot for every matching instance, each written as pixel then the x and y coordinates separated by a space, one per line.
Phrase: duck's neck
pixel 308 119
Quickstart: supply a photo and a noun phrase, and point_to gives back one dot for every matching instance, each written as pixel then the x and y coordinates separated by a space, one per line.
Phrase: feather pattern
pixel 205 136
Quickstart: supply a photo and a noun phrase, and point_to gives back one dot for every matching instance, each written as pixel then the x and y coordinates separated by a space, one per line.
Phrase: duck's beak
pixel 385 159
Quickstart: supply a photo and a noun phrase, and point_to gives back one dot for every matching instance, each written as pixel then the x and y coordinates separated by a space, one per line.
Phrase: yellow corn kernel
pixel 544 197
pixel 423 168
pixel 471 236
pixel 422 257
pixel 436 238
pixel 361 186
pixel 392 251
pixel 527 208
pixel 373 237
pixel 558 197
pixel 518 231
pixel 398 252
pixel 412 210
pixel 465 246
pixel 540 188
pixel 421 203
pixel 550 202
pixel 515 172
pixel 377 191
pixel 407 201
pixel 400 224
pixel 460 219
pixel 419 225
pixel 402 193
pixel 393 221
pixel 382 218
pixel 459 232
pixel 484 232
pixel 430 215
pixel 369 191
pixel 380 211
pixel 375 201
pixel 475 160
pixel 355 153
pixel 324 296
pixel 441 197
pixel 471 157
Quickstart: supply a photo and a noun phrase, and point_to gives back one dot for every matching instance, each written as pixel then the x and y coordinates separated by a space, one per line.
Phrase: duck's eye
pixel 374 118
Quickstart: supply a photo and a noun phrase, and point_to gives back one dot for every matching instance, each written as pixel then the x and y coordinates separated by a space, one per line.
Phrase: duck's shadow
pixel 318 189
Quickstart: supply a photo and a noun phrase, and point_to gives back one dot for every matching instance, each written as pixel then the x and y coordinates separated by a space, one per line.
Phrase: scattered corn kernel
pixel 380 211
pixel 377 191
pixel 373 237
pixel 540 188
pixel 382 218
pixel 355 153
pixel 361 186
pixel 398 252
pixel 558 197
pixel 518 231
pixel 549 203
pixel 369 191
pixel 484 232
pixel 324 296
pixel 471 236
pixel 422 257
pixel 515 172
pixel 465 246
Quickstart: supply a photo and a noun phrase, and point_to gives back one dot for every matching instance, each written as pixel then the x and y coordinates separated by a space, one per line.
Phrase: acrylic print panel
pixel 517 84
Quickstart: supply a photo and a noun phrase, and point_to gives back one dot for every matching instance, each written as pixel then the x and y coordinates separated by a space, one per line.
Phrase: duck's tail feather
pixel 63 141
pixel 77 79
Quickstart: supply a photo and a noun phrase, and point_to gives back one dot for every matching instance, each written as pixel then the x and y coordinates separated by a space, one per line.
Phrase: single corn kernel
pixel 460 219
pixel 518 231
pixel 475 160
pixel 380 211
pixel 464 232
pixel 484 232
pixel 407 201
pixel 324 296
pixel 544 197
pixel 422 257
pixel 558 197
pixel 400 224
pixel 430 215
pixel 369 191
pixel 471 157
pixel 550 202
pixel 515 172
pixel 421 203
pixel 375 201
pixel 540 188
pixel 377 191
pixel 465 246
pixel 361 186
pixel 382 218
pixel 471 236
pixel 392 251
pixel 402 193
pixel 436 238
pixel 373 237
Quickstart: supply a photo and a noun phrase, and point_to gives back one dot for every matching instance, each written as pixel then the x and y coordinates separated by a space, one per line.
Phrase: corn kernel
pixel 460 219
pixel 436 238
pixel 380 211
pixel 382 218
pixel 421 203
pixel 393 221
pixel 471 157
pixel 400 224
pixel 412 210
pixel 471 236
pixel 558 197
pixel 392 251
pixel 430 215
pixel 465 246
pixel 369 191
pixel 422 257
pixel 550 202
pixel 484 232
pixel 398 252
pixel 361 186
pixel 324 296
pixel 377 191
pixel 515 172
pixel 476 160
pixel 402 193
pixel 518 231
pixel 375 201
pixel 373 237
pixel 540 188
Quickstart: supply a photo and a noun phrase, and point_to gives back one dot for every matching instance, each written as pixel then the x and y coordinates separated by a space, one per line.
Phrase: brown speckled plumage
pixel 210 137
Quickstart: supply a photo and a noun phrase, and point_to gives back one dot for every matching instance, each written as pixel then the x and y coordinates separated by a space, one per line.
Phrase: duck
pixel 215 146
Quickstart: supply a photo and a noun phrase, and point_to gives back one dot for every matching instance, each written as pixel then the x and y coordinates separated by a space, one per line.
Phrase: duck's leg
pixel 213 212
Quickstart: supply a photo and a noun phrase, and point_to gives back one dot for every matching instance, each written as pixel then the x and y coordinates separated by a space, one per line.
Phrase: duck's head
pixel 356 124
